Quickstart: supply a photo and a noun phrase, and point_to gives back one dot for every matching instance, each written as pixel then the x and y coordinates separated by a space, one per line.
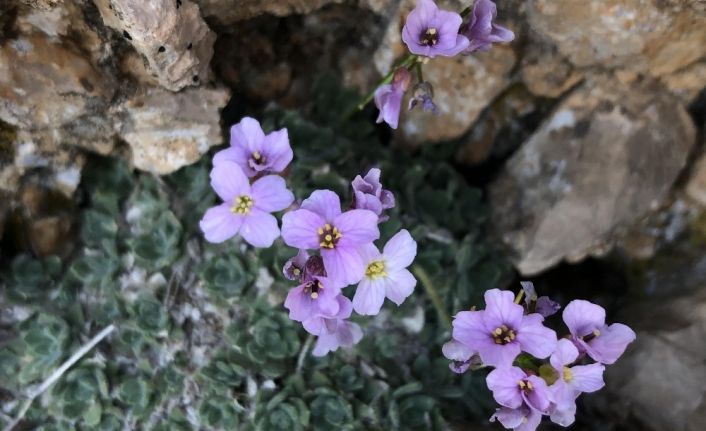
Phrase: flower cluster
pixel 430 32
pixel 347 255
pixel 242 178
pixel 249 195
pixel 535 374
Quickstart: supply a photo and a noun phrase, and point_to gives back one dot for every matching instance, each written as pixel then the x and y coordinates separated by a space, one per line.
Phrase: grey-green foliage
pixel 203 340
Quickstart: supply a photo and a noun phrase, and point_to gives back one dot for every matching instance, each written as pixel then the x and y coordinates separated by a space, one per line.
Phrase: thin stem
pixel 405 62
pixel 418 69
pixel 56 375
pixel 519 296
pixel 303 353
pixel 467 11
pixel 433 294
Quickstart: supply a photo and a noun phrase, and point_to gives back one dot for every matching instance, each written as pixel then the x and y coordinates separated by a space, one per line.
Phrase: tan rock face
pixel 607 155
pixel 226 11
pixel 169 130
pixel 171 35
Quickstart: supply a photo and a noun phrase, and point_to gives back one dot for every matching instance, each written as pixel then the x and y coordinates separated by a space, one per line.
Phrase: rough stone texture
pixel 546 73
pixel 653 37
pixel 695 188
pixel 42 4
pixel 225 11
pixel 666 366
pixel 607 155
pixel 166 129
pixel 171 35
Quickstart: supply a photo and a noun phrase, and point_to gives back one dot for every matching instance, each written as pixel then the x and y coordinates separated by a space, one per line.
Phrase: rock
pixel 665 366
pixel 546 73
pixel 171 35
pixel 42 4
pixel 169 130
pixel 223 11
pixel 607 156
pixel 503 126
pixel 696 186
pixel 463 87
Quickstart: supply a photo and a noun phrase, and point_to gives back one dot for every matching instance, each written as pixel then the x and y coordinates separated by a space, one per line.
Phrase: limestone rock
pixel 607 155
pixel 171 35
pixel 169 130
pixel 42 4
pixel 665 366
pixel 696 186
pixel 546 73
pixel 225 12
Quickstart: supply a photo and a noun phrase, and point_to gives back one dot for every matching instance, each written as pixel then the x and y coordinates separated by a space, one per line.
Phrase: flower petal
pixel 270 194
pixel 399 285
pixel 357 227
pixel 535 338
pixel 498 355
pixel 247 134
pixel 279 152
pixel 565 354
pixel 611 343
pixel 219 224
pixel 229 181
pixel 510 418
pixel 456 351
pixel 582 317
pixel 259 228
pixel 324 344
pixel 299 229
pixel 540 397
pixel 469 329
pixel 500 309
pixel 504 383
pixel 237 155
pixel 369 296
pixel 587 378
pixel 343 265
pixel 299 304
pixel 325 203
pixel 369 253
pixel 400 251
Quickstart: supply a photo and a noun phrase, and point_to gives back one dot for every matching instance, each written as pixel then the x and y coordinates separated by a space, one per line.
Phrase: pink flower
pixel 572 381
pixel 313 300
pixel 481 30
pixel 320 224
pixel 254 151
pixel 338 332
pixel 430 31
pixel 590 334
pixel 388 97
pixel 386 274
pixel 245 209
pixel 524 398
pixel 501 331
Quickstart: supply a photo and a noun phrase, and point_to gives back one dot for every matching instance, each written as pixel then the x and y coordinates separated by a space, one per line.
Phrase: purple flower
pixel 430 31
pixel 386 274
pixel 423 95
pixel 542 305
pixel 337 331
pixel 294 267
pixel 388 97
pixel 571 382
pixel 314 299
pixel 501 331
pixel 590 334
pixel 369 194
pixel 254 151
pixel 521 419
pixel 461 356
pixel 245 209
pixel 513 388
pixel 481 30
pixel 319 224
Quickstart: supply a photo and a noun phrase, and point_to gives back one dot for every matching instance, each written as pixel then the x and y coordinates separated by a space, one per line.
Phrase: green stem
pixel 467 11
pixel 519 296
pixel 418 69
pixel 405 62
pixel 433 294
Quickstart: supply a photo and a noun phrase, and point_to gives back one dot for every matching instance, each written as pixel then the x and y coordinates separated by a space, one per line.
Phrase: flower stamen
pixel 503 335
pixel 313 288
pixel 595 334
pixel 328 236
pixel 376 269
pixel 242 205
pixel 430 37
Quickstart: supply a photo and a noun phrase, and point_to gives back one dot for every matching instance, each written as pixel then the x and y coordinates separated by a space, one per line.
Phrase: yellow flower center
pixel 313 287
pixel 567 374
pixel 242 205
pixel 503 335
pixel 525 385
pixel 258 158
pixel 328 236
pixel 376 269
pixel 430 37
